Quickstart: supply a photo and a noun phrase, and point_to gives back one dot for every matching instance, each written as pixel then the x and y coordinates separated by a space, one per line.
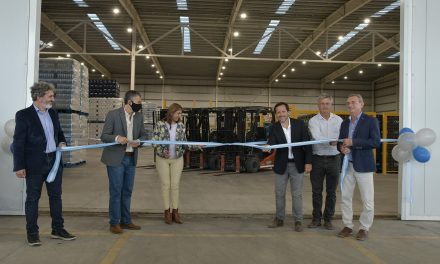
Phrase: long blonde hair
pixel 174 107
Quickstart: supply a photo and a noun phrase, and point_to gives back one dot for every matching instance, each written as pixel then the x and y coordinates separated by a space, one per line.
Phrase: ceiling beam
pixel 63 36
pixel 132 12
pixel 379 49
pixel 234 14
pixel 325 25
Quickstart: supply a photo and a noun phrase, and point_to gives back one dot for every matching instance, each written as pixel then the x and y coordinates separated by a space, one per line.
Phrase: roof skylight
pixel 182 5
pixel 81 3
pixel 95 19
pixel 184 22
pixel 284 7
pixel 393 56
pixel 266 36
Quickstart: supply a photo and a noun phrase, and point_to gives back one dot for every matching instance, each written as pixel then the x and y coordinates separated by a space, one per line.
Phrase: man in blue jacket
pixel 36 137
pixel 361 135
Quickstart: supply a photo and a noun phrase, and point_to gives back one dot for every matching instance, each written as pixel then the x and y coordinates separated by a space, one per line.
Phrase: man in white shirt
pixel 325 161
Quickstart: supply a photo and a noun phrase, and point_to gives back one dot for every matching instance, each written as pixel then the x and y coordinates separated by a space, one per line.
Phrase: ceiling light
pixel 147 57
pixel 340 37
pixel 221 73
pixel 361 71
pixel 284 75
pixel 102 75
pixel 116 10
pixel 219 78
pixel 292 70
pixel 230 49
pixel 68 55
pixel 157 72
pixel 304 62
pixel 345 77
pixel 93 70
pixel 243 15
pixel 140 46
pixel 226 59
pixel 333 82
pixel 161 77
pixel 318 53
pixel 152 65
pixel 236 34
pixel 60 57
pixel 82 63
pixel 129 30
pixel 379 65
pixel 276 80
pixel 50 44
pixel 367 21
pixel 223 68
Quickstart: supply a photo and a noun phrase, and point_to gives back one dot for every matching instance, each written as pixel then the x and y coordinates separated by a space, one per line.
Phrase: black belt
pixel 327 156
pixel 290 160
pixel 129 154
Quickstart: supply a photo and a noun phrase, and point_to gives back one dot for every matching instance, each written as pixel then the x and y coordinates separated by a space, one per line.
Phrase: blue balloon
pixel 421 154
pixel 406 130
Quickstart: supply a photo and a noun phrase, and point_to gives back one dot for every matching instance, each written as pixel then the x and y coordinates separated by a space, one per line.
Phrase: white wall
pixel 19 26
pixel 419 105
pixel 386 93
pixel 191 92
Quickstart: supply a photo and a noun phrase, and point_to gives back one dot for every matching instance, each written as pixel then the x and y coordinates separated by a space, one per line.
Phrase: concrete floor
pixel 225 222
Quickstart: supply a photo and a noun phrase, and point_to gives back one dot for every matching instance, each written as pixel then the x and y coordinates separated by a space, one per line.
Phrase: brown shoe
pixel 130 226
pixel 298 226
pixel 276 223
pixel 167 217
pixel 314 224
pixel 116 229
pixel 176 216
pixel 328 225
pixel 362 235
pixel 346 232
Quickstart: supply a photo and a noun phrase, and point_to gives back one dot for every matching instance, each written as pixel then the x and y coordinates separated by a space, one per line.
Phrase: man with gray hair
pixel 37 135
pixel 325 161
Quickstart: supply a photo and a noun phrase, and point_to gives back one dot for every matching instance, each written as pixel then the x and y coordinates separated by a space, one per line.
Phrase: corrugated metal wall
pixel 386 93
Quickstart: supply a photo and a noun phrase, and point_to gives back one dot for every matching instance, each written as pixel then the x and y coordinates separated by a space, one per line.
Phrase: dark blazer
pixel 30 142
pixel 302 155
pixel 366 137
pixel 116 124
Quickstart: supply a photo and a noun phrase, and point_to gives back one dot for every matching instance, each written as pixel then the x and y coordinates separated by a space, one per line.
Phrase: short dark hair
pixel 281 103
pixel 40 88
pixel 129 95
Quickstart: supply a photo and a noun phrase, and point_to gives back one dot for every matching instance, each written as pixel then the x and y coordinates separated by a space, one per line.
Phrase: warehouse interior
pixel 220 54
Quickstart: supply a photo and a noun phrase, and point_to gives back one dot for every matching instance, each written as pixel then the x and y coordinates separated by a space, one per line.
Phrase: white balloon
pixel 407 141
pixel 6 145
pixel 425 137
pixel 10 127
pixel 400 155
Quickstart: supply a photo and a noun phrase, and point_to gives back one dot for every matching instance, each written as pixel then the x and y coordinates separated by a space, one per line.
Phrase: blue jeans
pixel 296 183
pixel 121 181
pixel 34 184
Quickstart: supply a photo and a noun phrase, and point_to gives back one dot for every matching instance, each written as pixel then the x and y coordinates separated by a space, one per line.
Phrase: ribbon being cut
pixel 259 145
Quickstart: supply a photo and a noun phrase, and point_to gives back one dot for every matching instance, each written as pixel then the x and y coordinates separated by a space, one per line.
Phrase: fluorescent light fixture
pixel 243 15
pixel 95 19
pixel 184 22
pixel 266 36
pixel 81 3
pixel 116 10
pixel 182 5
pixel 284 7
pixel 360 27
pixel 393 56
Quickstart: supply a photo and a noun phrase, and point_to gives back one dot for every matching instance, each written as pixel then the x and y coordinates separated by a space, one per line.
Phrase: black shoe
pixel 314 224
pixel 62 234
pixel 276 223
pixel 33 240
pixel 298 226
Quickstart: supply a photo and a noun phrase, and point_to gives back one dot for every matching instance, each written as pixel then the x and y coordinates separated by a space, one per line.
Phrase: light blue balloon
pixel 406 130
pixel 421 154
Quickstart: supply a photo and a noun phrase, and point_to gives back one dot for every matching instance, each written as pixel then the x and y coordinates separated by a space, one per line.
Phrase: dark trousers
pixel 324 167
pixel 34 184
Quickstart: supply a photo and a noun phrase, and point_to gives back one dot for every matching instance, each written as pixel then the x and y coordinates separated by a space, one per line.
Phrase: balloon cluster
pixel 7 141
pixel 413 145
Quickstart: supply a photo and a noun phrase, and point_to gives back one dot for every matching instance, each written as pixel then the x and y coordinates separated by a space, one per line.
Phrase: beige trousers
pixel 170 171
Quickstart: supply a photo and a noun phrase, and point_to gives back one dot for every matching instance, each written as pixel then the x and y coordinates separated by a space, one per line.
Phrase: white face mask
pixel 48 106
